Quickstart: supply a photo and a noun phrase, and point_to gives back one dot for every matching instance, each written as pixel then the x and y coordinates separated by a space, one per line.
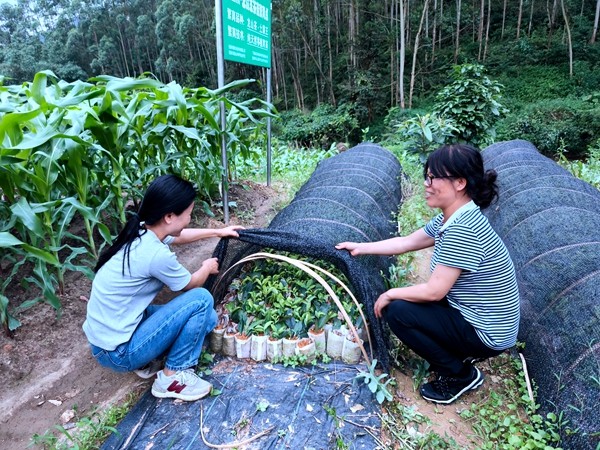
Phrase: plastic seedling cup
pixel 258 347
pixel 320 340
pixel 351 350
pixel 335 343
pixel 228 348
pixel 289 346
pixel 306 347
pixel 274 348
pixel 215 340
pixel 242 346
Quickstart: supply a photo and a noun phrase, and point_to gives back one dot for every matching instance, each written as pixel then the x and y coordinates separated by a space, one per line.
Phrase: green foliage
pixel 424 134
pixel 499 422
pixel 324 126
pixel 552 124
pixel 78 152
pixel 288 164
pixel 525 84
pixel 409 429
pixel 90 431
pixel 587 170
pixel 472 103
pixel 376 384
pixel 283 301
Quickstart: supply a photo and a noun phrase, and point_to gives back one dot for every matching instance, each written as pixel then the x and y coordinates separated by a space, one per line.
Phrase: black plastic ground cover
pixel 311 407
pixel 352 196
pixel 550 222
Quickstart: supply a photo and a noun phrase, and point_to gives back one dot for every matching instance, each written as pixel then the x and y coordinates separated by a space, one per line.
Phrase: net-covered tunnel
pixel 550 222
pixel 352 196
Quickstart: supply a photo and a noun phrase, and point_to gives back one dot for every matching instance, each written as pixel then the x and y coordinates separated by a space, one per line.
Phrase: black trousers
pixel 437 333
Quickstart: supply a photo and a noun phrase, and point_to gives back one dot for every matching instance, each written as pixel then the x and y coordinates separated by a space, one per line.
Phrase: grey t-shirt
pixel 118 300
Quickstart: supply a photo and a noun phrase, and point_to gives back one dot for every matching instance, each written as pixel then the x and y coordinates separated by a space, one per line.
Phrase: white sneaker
pixel 149 370
pixel 184 385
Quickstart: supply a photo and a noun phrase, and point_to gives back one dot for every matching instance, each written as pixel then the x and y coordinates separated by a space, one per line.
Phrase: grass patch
pixel 90 430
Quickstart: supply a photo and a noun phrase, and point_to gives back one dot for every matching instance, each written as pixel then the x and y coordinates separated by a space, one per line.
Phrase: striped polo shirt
pixel 486 292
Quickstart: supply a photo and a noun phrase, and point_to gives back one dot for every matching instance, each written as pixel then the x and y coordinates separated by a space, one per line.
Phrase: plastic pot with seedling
pixel 306 347
pixel 228 348
pixel 242 338
pixel 335 341
pixel 215 339
pixel 275 341
pixel 295 329
pixel 317 331
pixel 258 341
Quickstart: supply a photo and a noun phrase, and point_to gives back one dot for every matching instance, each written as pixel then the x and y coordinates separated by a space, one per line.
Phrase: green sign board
pixel 247 31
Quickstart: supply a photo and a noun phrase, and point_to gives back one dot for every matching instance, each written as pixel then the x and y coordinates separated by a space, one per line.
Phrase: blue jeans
pixel 176 330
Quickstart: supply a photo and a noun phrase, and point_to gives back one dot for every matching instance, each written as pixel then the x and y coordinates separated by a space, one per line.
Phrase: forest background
pixel 342 70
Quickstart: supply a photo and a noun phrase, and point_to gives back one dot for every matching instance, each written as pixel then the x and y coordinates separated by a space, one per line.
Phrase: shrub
pixel 472 102
pixel 424 134
pixel 571 125
pixel 320 128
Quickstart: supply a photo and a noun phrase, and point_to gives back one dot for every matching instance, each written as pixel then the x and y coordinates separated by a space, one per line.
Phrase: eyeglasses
pixel 429 178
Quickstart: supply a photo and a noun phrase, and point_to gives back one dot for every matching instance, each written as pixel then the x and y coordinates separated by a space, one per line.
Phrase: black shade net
pixel 550 222
pixel 352 196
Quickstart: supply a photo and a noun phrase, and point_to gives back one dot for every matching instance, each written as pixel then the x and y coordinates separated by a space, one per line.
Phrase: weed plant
pixel 89 432
pixel 289 165
pixel 588 170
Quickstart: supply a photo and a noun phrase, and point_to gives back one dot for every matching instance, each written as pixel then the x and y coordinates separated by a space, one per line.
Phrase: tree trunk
pixel 551 20
pixel 487 28
pixel 569 43
pixel 434 31
pixel 530 26
pixel 393 54
pixel 519 19
pixel 402 56
pixel 595 30
pixel 352 31
pixel 441 19
pixel 503 18
pixel 457 40
pixel 480 30
pixel 330 54
pixel 415 51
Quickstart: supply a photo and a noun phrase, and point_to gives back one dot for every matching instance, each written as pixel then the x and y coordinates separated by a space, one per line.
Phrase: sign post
pixel 244 36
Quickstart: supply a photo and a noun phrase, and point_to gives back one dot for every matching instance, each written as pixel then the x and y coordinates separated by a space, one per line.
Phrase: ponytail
pixel 166 194
pixel 132 230
pixel 488 190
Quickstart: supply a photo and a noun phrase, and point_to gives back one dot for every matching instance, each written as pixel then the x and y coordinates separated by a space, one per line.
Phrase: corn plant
pixel 87 150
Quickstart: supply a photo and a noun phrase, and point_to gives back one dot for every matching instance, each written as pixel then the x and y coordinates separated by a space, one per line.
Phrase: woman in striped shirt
pixel 469 307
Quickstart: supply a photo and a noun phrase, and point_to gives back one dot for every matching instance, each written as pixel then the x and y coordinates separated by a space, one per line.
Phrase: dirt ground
pixel 49 377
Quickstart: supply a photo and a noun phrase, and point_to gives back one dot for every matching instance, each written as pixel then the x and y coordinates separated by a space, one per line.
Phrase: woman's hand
pixel 230 231
pixel 352 247
pixel 381 303
pixel 211 266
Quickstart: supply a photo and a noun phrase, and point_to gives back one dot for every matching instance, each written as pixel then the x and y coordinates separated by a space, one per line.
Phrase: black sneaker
pixel 447 389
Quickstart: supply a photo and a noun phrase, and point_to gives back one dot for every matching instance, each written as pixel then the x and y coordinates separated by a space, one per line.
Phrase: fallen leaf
pixel 356 408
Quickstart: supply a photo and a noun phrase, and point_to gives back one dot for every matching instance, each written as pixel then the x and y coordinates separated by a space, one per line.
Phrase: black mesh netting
pixel 352 196
pixel 550 221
